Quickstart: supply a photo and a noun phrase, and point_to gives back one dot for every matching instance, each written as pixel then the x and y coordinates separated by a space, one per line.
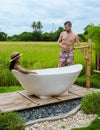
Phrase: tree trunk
pixel 97 62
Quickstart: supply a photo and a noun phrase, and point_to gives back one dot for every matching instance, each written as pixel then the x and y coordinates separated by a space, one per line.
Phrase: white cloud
pixel 17 15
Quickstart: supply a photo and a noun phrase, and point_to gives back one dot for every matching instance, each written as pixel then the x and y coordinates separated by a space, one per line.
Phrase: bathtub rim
pixel 81 67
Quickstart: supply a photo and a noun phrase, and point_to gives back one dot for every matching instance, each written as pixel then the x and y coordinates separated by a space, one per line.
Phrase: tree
pixel 3 36
pixel 34 26
pixel 86 29
pixel 94 34
pixel 36 36
pixel 25 36
pixel 47 36
pixel 82 37
pixel 37 26
pixel 57 33
pixel 14 38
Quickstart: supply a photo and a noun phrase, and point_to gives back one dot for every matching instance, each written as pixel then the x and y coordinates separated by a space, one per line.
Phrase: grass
pixel 11 121
pixel 6 89
pixel 36 55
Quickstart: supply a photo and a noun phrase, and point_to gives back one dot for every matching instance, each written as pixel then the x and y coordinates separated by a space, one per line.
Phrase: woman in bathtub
pixel 15 64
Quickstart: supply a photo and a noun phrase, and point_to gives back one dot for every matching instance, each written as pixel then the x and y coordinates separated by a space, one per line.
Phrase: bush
pixel 11 121
pixel 95 81
pixel 91 103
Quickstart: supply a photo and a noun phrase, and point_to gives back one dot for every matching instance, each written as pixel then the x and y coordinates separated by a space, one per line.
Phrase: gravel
pixel 74 121
pixel 49 110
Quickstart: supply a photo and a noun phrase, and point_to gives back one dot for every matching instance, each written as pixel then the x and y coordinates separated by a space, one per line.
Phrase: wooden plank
pixel 41 101
pixel 23 100
pixel 14 102
pixel 28 97
pixel 97 71
pixel 81 92
pixel 75 88
pixel 70 96
pixel 76 48
pixel 95 89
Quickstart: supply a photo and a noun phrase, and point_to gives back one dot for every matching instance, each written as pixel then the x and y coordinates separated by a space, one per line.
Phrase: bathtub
pixel 49 82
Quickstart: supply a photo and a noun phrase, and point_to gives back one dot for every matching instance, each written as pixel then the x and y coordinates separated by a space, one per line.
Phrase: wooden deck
pixel 16 101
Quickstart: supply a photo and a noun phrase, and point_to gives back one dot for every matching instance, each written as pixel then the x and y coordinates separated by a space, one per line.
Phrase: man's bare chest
pixel 68 37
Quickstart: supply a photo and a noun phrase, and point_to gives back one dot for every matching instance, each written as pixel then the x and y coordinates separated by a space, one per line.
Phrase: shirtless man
pixel 66 42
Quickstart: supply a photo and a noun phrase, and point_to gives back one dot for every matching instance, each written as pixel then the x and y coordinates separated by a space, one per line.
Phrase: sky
pixel 16 16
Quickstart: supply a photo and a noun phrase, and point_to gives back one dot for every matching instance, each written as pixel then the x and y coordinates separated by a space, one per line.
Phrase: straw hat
pixel 14 56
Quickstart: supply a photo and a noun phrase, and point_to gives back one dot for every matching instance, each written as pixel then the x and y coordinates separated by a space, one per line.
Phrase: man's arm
pixel 82 50
pixel 60 40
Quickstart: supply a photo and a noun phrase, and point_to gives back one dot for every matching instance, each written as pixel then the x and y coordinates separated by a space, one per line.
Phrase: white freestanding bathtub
pixel 49 82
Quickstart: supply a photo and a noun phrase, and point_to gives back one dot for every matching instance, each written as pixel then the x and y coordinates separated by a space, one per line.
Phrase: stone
pixel 36 125
pixel 49 110
pixel 79 119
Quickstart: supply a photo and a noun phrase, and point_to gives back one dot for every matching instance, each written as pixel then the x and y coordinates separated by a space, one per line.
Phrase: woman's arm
pixel 25 71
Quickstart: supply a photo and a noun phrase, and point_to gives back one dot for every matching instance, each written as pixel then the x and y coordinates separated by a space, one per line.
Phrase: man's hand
pixel 64 47
pixel 86 58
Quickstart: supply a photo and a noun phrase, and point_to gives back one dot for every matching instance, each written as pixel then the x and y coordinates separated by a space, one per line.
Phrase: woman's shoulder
pixel 17 66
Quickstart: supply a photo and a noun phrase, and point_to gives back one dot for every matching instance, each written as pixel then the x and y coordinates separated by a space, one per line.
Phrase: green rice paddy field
pixel 38 55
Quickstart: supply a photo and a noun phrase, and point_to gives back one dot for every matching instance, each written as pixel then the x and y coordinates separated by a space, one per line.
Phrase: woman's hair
pixel 12 64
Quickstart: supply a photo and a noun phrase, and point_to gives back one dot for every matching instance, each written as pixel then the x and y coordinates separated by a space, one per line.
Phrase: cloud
pixel 17 16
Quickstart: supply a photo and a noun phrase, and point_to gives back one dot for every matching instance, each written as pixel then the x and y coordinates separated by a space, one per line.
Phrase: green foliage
pixel 52 36
pixel 91 103
pixel 25 36
pixel 47 36
pixel 37 35
pixel 82 37
pixel 11 121
pixel 57 32
pixel 94 33
pixel 14 38
pixel 3 36
pixel 95 81
pixel 81 81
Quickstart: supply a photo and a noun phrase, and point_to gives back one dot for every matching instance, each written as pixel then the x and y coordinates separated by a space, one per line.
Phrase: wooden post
pixel 88 68
pixel 88 65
